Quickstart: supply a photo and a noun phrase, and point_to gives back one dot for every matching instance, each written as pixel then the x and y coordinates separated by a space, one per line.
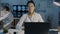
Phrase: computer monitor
pixel 19 8
pixel 36 28
pixel 14 7
pixel 23 8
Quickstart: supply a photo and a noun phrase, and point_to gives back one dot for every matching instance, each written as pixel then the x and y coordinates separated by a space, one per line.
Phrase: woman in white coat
pixel 31 16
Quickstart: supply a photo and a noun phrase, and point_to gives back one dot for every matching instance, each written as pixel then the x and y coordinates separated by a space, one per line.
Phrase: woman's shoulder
pixel 37 13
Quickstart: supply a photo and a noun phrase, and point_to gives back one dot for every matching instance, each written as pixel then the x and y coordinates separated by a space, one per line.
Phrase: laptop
pixel 36 28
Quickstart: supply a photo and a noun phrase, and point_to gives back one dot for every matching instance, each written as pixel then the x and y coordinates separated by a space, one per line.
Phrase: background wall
pixel 0 4
pixel 45 7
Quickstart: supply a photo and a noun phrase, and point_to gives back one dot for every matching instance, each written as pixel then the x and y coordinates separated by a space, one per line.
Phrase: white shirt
pixel 25 18
pixel 3 15
pixel 35 18
pixel 7 18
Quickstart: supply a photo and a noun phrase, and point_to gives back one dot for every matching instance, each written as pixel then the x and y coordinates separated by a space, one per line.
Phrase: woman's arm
pixel 19 25
pixel 40 18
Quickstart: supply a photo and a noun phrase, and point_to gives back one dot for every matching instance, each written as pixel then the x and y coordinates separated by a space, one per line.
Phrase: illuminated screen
pixel 23 8
pixel 19 8
pixel 14 8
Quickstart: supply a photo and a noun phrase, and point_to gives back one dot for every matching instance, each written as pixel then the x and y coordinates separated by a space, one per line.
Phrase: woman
pixel 31 16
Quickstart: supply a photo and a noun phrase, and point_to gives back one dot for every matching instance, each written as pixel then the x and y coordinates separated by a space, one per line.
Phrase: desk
pixel 11 31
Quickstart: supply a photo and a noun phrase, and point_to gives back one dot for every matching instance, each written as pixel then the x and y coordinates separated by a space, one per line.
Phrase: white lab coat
pixel 25 18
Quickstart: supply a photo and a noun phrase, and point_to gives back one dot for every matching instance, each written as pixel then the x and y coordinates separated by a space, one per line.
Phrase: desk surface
pixel 21 32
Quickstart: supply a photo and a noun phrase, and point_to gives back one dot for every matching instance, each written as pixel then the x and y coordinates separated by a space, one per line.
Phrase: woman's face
pixel 31 7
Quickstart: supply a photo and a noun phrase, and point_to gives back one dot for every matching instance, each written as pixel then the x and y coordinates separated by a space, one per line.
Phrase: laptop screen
pixel 36 28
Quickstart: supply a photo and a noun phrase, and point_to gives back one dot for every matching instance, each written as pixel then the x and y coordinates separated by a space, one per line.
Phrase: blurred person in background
pixel 6 16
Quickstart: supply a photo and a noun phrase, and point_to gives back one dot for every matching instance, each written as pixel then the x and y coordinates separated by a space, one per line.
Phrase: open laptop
pixel 36 28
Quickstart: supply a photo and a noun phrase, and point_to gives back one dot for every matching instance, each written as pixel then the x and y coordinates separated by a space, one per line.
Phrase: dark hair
pixel 30 2
pixel 6 7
